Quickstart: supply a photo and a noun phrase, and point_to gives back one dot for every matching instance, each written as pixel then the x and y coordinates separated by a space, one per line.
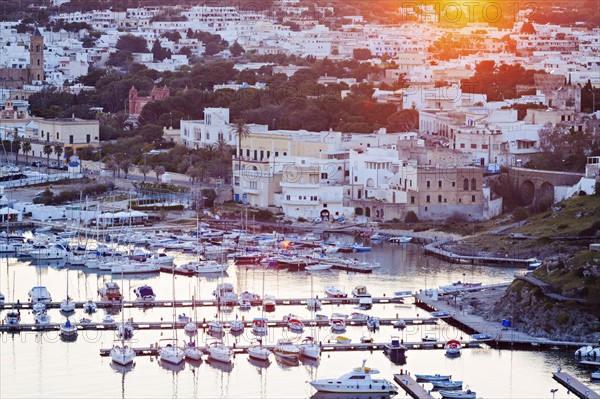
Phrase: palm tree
pixel 26 150
pixel 47 151
pixel 58 150
pixel 242 131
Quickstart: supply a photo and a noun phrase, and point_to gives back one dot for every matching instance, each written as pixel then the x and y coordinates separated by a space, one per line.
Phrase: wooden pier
pixel 205 303
pixel 411 386
pixel 574 385
pixel 167 325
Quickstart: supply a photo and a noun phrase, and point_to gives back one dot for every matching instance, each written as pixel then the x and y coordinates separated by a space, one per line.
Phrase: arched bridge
pixel 536 184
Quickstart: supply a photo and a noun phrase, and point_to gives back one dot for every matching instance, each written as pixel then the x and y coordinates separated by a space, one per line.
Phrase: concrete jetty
pixel 574 385
pixel 411 386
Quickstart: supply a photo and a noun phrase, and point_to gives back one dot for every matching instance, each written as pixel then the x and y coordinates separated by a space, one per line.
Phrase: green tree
pixel 242 132
pixel 144 169
pixel 361 54
pixel 236 49
pixel 132 44
pixel 159 170
pixel 125 165
pixel 47 151
pixel 26 150
pixel 58 150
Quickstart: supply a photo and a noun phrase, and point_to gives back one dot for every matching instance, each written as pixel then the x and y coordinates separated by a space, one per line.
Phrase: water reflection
pixel 175 368
pixel 329 395
pixel 263 364
pixel 224 367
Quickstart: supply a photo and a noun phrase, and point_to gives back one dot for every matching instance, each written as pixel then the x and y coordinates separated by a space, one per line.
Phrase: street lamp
pixel 553 391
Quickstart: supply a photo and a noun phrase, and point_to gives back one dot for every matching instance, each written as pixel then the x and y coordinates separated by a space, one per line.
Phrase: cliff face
pixel 532 312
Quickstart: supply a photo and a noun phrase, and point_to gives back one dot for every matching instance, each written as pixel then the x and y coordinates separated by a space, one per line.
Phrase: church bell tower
pixel 36 56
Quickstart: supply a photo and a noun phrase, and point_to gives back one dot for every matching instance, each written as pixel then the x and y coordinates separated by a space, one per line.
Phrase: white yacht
pixel 357 381
pixel 259 352
pixel 135 268
pixel 67 306
pixel 68 330
pixel 161 258
pixel 206 266
pixel 171 353
pixel 54 252
pixel 13 317
pixel 122 356
pixel 259 326
pixel 236 326
pixel 310 349
pixel 215 327
pixel 39 294
pixel 313 304
pixel 192 352
pixel 219 352
pixel 225 294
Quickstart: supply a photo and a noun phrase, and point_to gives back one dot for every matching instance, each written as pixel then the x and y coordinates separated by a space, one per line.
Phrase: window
pixel 248 153
pixel 439 184
pixel 268 154
pixel 237 181
pixel 253 185
pixel 355 178
pixel 262 154
pixel 472 198
pixel 324 205
pixel 473 146
pixel 276 153
pixel 462 145
pixel 412 199
pixel 484 146
pixel 57 136
pixel 71 139
pixel 473 184
pixel 466 184
pixel 87 138
pixel 255 154
pixel 453 184
pixel 428 200
pixel 425 209
pixel 428 184
pixel 439 198
pixel 207 136
pixel 324 175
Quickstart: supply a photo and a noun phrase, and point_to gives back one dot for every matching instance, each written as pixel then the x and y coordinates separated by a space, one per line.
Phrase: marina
pixel 411 386
pixel 574 385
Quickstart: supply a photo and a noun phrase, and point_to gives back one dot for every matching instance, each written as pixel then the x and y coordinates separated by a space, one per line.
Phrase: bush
pixel 411 217
pixel 582 193
pixel 519 214
pixel 263 215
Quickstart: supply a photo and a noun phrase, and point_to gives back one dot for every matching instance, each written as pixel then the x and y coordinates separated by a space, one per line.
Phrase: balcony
pixel 296 201
pixel 286 184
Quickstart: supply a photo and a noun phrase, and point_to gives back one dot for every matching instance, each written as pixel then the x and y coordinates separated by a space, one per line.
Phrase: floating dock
pixel 166 325
pixel 205 303
pixel 325 347
pixel 411 386
pixel 574 385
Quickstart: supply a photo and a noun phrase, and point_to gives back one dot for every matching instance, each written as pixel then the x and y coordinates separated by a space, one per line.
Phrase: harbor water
pixel 40 365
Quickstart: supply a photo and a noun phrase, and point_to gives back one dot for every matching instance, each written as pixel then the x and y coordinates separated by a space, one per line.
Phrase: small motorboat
pixel 332 292
pixel 596 375
pixel 318 267
pixel 453 348
pixel 259 326
pixel 400 324
pixel 373 323
pixel 39 294
pixel 433 377
pixel 395 350
pixel 343 340
pixel 125 330
pixel 41 318
pixel 89 307
pixel 338 325
pixel 447 384
pixel 441 314
pixel 360 291
pixel 468 394
pixel 481 337
pixel 313 304
pixel 293 323
pixel 366 340
pixel 145 293
pixel 285 348
pixel 359 316
pixel 13 317
pixel 357 381
pixel 269 303
pixel 38 307
pixel 108 320
pixel 427 338
pixel 244 304
pixel 110 292
pixel 68 330
pixel 85 321
pixel 400 239
pixel 182 318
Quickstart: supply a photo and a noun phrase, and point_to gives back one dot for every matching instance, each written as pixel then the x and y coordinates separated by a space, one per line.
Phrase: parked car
pixel 36 163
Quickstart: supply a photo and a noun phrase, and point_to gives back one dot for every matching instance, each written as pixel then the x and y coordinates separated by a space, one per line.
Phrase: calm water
pixel 41 365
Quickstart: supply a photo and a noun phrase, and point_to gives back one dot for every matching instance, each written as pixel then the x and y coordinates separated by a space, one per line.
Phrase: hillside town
pixel 226 171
